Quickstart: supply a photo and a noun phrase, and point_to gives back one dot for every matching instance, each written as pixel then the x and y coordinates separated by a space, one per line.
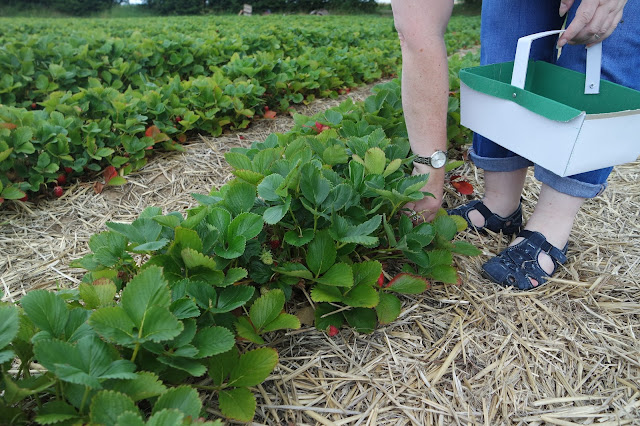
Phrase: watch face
pixel 438 159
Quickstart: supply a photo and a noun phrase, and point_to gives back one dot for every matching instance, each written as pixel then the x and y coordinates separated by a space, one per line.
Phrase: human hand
pixel 425 210
pixel 595 20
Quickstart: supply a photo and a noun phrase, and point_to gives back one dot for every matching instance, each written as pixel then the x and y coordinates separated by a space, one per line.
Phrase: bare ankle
pixel 501 206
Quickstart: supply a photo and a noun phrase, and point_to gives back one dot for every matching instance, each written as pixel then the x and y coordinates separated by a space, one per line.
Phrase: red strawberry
pixel 25 198
pixel 57 191
pixel 68 170
pixel 333 330
pixel 62 179
pixel 178 119
pixel 275 244
pixel 381 280
pixel 34 105
pixel 1 200
pixel 321 127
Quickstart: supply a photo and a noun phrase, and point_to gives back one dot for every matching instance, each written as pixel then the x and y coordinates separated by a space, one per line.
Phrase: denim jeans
pixel 503 22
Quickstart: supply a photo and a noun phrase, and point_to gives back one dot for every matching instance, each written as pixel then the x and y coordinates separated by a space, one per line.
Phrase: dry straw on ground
pixel 471 354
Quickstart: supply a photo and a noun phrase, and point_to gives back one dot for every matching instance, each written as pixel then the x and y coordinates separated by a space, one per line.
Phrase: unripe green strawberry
pixel 266 257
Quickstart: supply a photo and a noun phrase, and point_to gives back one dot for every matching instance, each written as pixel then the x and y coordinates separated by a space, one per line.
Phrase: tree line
pixel 191 7
pixel 259 6
pixel 67 7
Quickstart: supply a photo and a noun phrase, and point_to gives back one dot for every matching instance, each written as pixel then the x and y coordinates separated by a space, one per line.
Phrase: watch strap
pixel 425 160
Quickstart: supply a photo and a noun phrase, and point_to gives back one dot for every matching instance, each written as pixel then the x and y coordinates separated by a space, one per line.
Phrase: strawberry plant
pixel 323 209
pixel 84 96
pixel 121 360
pixel 174 297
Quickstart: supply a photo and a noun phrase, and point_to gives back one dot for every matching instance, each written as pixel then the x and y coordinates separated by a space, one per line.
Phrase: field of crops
pixel 81 95
pixel 179 306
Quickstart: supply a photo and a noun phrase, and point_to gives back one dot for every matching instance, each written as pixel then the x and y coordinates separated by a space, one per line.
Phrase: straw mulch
pixel 470 354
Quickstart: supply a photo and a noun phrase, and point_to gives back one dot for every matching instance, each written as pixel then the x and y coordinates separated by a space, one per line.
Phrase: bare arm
pixel 421 25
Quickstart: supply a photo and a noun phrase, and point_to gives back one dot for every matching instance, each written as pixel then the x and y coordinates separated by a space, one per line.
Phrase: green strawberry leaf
pixel 182 398
pixel 266 308
pixel 253 367
pixel 89 362
pixel 16 391
pixel 233 276
pixel 298 239
pixel 245 329
pixel 362 295
pixel 239 196
pixel 47 310
pixel 339 275
pixel 321 254
pixel 267 188
pixel 167 417
pixel 238 404
pixel 9 324
pixel 375 161
pixel 144 386
pixel 220 366
pixel 324 293
pixel 232 297
pixel 366 272
pixel 129 418
pixel 213 341
pixel 465 248
pixel 294 270
pixel 99 294
pixel 408 284
pixel 444 273
pixel 107 406
pixel 363 320
pixel 274 214
pixel 235 248
pixel 388 308
pixel 140 231
pixel 56 411
pixel 282 322
pixel 248 225
pixel 445 227
pixel 193 259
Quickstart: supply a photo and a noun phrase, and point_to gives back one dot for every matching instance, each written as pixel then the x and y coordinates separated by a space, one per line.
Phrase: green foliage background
pixel 188 7
pixel 67 7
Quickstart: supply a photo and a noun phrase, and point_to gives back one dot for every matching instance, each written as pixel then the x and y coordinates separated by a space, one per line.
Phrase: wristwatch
pixel 437 159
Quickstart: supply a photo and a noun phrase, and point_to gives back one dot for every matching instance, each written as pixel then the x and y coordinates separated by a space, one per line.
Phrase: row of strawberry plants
pixel 38 59
pixel 174 297
pixel 102 124
pixel 106 101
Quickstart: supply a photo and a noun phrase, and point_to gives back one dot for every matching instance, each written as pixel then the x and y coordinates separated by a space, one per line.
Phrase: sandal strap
pixel 484 210
pixel 507 225
pixel 558 256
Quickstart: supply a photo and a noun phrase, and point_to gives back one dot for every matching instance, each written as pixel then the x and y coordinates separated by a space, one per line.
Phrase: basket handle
pixel 594 62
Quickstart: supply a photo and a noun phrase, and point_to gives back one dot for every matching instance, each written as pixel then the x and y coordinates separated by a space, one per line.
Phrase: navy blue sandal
pixel 517 265
pixel 507 225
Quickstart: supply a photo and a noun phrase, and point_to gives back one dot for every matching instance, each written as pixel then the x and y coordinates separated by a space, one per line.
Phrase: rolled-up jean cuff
pixel 568 185
pixel 504 164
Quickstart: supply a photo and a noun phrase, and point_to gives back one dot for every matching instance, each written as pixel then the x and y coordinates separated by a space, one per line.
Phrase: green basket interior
pixel 552 91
